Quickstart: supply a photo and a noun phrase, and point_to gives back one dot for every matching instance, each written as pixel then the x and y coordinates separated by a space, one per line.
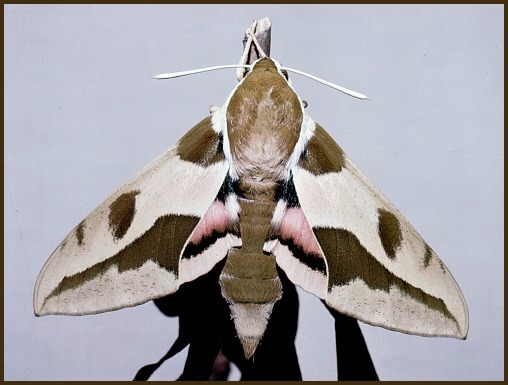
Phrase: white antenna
pixel 173 75
pixel 334 86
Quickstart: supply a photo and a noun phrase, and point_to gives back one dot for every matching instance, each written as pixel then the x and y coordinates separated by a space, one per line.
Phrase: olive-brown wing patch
pixel 322 154
pixel 121 213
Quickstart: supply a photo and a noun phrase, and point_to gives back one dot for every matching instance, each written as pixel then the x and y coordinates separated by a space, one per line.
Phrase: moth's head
pixel 267 66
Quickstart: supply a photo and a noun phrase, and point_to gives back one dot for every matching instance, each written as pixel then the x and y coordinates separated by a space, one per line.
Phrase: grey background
pixel 82 115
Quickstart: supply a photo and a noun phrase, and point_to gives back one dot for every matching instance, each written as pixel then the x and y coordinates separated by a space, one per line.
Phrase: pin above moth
pixel 259 184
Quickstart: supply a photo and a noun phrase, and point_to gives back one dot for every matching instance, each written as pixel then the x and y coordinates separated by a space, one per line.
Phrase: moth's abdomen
pixel 249 279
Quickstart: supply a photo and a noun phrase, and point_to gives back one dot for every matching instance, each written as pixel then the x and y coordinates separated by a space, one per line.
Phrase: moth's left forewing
pixel 378 268
pixel 167 225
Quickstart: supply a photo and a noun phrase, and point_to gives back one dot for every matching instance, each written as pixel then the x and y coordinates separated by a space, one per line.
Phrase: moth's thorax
pixel 264 119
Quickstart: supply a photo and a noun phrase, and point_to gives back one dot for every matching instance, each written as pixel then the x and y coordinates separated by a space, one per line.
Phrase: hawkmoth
pixel 260 184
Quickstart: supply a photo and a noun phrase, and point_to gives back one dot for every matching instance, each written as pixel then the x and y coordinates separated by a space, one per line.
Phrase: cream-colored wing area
pixel 128 250
pixel 379 268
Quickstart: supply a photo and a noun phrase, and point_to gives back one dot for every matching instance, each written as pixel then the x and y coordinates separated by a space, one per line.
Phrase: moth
pixel 259 183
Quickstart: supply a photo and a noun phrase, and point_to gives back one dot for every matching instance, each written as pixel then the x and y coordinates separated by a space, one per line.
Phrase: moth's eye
pixel 245 73
pixel 285 73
